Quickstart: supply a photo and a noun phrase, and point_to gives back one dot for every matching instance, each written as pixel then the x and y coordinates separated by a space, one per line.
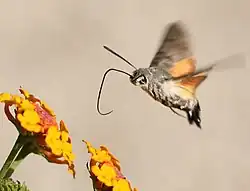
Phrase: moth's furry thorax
pixel 158 84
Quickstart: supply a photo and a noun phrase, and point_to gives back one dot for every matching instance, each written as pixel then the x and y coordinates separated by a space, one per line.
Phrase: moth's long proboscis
pixel 100 90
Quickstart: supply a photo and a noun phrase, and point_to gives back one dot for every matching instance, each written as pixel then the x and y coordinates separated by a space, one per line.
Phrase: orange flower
pixel 56 146
pixel 33 117
pixel 105 171
pixel 31 114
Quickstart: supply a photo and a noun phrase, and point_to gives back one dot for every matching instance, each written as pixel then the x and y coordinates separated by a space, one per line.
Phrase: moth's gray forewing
pixel 174 47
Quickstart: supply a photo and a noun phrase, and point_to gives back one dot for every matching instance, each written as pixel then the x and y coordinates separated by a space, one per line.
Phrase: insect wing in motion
pixel 174 54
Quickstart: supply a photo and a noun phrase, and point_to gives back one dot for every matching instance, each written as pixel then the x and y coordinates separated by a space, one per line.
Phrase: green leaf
pixel 11 185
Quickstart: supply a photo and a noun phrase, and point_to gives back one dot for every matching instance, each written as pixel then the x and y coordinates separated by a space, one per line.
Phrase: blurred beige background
pixel 54 50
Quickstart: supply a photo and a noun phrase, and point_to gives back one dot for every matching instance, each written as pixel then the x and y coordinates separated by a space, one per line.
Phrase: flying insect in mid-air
pixel 172 77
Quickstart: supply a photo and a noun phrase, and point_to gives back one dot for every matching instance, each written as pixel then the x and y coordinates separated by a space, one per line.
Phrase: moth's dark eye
pixel 141 80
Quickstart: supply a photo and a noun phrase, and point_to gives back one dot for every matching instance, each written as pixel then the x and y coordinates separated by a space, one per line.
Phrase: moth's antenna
pixel 113 52
pixel 100 90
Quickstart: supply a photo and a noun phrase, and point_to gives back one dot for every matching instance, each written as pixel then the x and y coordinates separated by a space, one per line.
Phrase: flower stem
pixel 24 152
pixel 15 150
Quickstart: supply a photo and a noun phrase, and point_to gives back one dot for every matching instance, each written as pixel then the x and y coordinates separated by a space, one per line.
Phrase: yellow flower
pixel 32 114
pixel 53 140
pixel 5 97
pixel 122 185
pixel 30 119
pixel 105 170
pixel 106 174
pixel 36 118
pixel 59 143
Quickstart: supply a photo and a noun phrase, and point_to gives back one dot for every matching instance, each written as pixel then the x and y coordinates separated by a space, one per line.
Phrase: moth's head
pixel 140 77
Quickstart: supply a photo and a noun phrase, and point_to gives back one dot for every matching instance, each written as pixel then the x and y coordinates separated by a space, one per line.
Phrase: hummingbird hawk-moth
pixel 172 77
